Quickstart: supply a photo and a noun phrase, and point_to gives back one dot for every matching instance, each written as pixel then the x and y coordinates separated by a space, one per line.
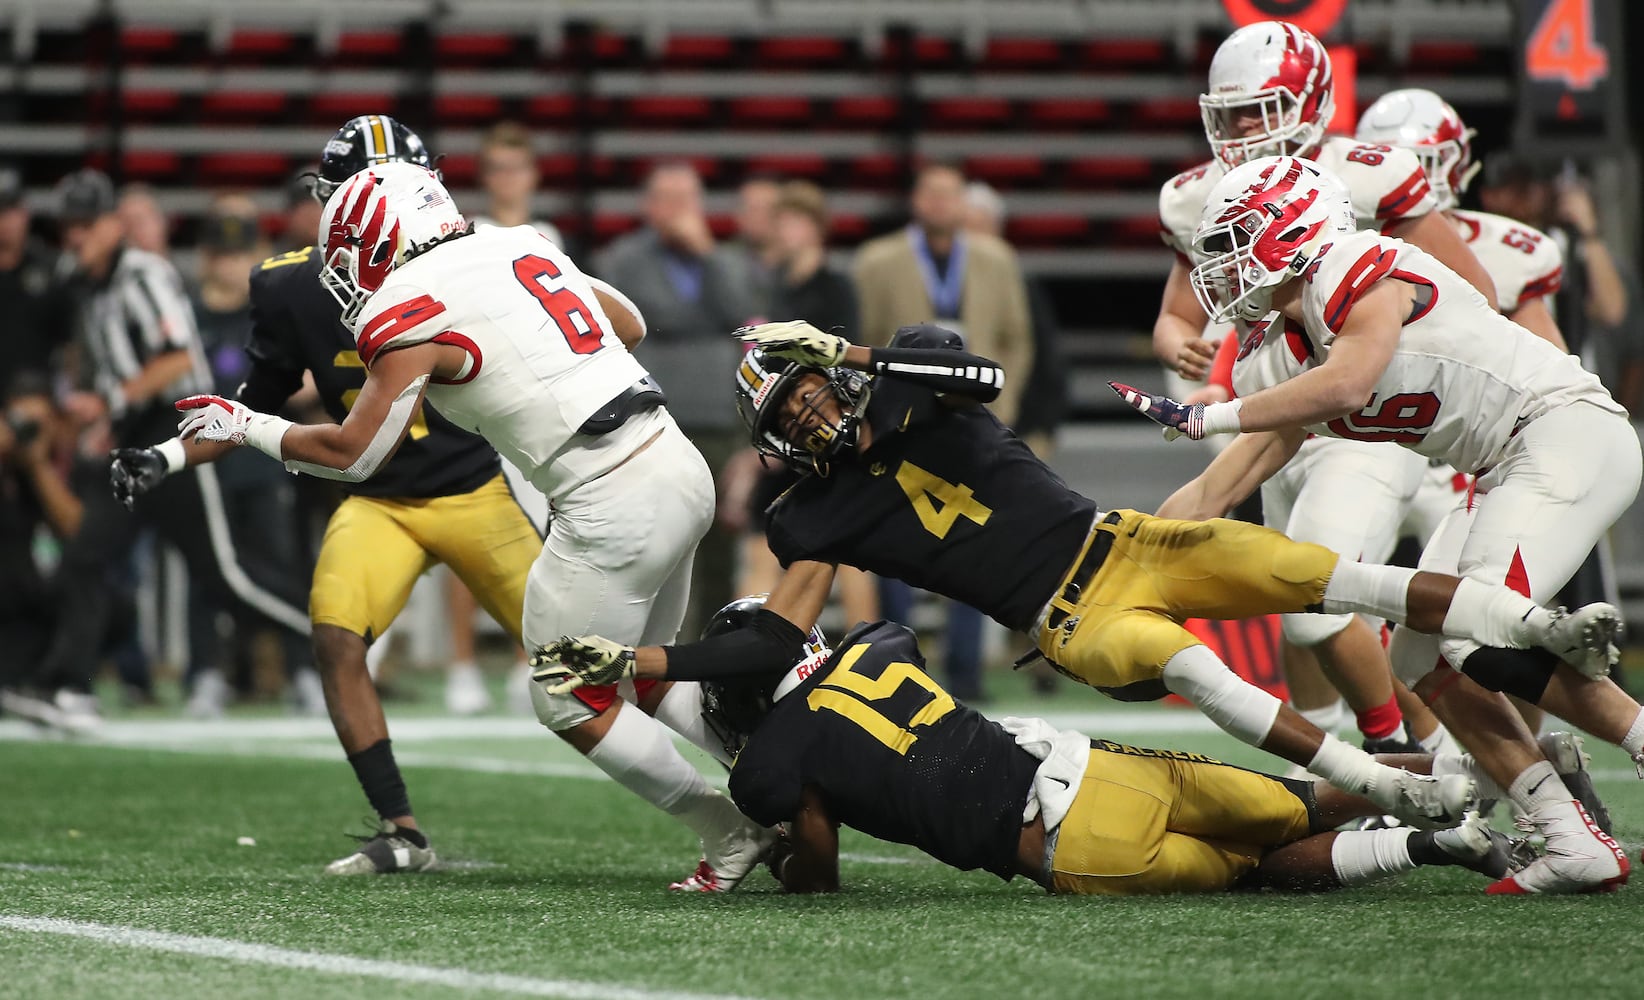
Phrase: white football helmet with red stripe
pixel 376 221
pixel 1262 224
pixel 1425 123
pixel 1270 94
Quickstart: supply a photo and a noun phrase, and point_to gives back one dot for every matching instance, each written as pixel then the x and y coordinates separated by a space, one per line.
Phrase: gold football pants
pixel 1157 821
pixel 1117 631
pixel 375 548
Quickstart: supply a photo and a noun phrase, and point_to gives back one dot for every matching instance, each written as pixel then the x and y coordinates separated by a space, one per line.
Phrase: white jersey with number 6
pixel 1463 380
pixel 542 357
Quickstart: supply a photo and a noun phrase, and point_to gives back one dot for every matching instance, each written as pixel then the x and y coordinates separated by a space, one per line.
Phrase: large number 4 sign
pixel 1564 46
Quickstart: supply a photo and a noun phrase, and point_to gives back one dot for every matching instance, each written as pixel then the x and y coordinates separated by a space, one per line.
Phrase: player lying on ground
pixel 909 476
pixel 1382 342
pixel 865 738
pixel 507 337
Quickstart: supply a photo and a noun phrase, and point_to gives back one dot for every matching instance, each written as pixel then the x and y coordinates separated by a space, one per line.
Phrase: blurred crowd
pixel 207 584
pixel 104 333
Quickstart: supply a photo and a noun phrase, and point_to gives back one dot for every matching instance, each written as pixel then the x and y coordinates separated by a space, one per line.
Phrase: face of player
pixel 811 414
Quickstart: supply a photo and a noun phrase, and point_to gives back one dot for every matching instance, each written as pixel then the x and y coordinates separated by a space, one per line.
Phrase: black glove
pixel 134 471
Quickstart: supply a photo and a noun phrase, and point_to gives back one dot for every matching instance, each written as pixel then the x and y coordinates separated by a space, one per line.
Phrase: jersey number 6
pixel 1404 418
pixel 576 324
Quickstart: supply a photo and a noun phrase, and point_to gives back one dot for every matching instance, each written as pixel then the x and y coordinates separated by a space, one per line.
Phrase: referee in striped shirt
pixel 139 350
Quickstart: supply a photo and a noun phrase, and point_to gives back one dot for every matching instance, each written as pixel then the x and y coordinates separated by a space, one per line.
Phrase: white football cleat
pixel 1579 857
pixel 732 858
pixel 465 692
pixel 1586 638
pixel 385 852
pixel 1568 754
pixel 1423 801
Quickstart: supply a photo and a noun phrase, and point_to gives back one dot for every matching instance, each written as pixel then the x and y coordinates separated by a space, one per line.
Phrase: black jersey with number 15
pixel 297 326
pixel 892 755
pixel 944 498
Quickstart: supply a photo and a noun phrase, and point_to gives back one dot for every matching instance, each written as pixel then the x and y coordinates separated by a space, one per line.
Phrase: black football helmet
pixel 763 385
pixel 365 142
pixel 733 707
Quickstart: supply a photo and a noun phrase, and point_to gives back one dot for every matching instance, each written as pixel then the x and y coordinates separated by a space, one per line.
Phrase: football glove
pixel 798 341
pixel 568 663
pixel 1176 418
pixel 213 418
pixel 133 472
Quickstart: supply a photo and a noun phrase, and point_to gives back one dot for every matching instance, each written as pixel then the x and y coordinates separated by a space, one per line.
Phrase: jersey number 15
pixel 859 698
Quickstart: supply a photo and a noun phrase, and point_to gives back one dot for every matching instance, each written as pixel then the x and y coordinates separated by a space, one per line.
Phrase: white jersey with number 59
pixel 1464 378
pixel 542 357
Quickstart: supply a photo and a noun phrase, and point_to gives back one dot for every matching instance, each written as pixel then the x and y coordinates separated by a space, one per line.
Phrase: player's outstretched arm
pixel 1233 475
pixel 812 861
pixel 946 370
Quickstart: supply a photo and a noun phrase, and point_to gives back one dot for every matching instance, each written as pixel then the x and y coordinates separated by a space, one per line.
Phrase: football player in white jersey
pixel 1271 91
pixel 505 336
pixel 1400 348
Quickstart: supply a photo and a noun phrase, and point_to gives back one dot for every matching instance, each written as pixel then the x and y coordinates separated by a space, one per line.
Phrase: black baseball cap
pixel 229 232
pixel 11 186
pixel 84 195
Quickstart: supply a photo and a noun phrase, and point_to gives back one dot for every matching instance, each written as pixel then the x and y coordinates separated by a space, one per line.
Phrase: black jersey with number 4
pixel 945 498
pixel 892 755
pixel 297 326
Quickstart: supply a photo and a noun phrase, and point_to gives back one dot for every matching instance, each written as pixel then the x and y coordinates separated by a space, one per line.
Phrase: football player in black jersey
pixel 909 476
pixel 441 498
pixel 863 737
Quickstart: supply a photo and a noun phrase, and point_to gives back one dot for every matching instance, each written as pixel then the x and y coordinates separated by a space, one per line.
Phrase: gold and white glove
pixel 796 340
pixel 568 663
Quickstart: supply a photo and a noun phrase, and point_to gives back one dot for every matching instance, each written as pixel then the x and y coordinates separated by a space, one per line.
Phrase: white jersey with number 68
pixel 542 357
pixel 1463 380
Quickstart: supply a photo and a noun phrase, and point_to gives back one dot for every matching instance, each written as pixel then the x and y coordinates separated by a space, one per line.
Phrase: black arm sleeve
pixel 770 644
pixel 946 371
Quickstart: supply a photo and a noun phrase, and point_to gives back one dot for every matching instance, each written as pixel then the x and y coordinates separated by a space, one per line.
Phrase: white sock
pixel 1364 856
pixel 1369 589
pixel 681 710
pixel 1633 742
pixel 1330 718
pixel 1345 766
pixel 1495 616
pixel 1467 766
pixel 1231 702
pixel 1439 741
pixel 639 755
pixel 1538 787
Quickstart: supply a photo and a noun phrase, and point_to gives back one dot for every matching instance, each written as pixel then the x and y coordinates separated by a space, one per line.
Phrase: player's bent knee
pixel 1522 673
pixel 1308 631
pixel 1234 704
pixel 559 712
pixel 336 649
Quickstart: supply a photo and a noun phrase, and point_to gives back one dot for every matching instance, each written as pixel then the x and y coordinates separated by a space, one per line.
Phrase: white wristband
pixel 264 433
pixel 172 451
pixel 1222 418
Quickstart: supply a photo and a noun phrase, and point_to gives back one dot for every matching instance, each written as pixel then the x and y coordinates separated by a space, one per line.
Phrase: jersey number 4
pixel 926 491
pixel 1404 418
pixel 567 309
pixel 854 696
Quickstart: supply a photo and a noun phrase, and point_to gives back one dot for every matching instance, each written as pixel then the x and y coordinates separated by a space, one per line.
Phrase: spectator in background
pixel 805 287
pixel 693 296
pixel 139 351
pixel 935 271
pixel 1044 398
pixel 755 248
pixel 258 497
pixel 302 212
pixel 508 172
pixel 146 225
pixel 39 314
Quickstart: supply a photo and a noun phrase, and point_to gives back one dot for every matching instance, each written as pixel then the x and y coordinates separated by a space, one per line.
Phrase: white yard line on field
pixel 252 953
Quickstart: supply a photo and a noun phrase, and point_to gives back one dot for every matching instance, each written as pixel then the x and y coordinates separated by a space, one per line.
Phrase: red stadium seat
pixel 807 165
pixel 1119 53
pixel 242 105
pixel 802 51
pixel 865 112
pixel 1069 113
pixel 248 43
pixel 876 170
pixel 1023 53
pixel 150 104
pixel 1168 113
pixel 1139 231
pixel 468 107
pixel 243 168
pixel 771 111
pixel 149 164
pixel 481 49
pixel 550 109
pixel 339 107
pixel 1047 230
pixel 559 168
pixel 368 44
pixel 677 110
pixel 1005 171
pixel 459 169
pixel 138 40
pixel 968 112
pixel 697 50
pixel 1108 171
pixel 847 228
pixel 609 227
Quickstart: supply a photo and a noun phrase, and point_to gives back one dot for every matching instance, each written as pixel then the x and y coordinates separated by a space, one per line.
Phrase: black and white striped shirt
pixel 138 314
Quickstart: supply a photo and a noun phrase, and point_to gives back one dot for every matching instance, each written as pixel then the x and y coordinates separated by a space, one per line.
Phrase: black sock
pixel 380 777
pixel 1424 850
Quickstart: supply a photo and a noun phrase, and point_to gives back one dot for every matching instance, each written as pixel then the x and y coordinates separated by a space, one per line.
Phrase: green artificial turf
pixel 558 878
